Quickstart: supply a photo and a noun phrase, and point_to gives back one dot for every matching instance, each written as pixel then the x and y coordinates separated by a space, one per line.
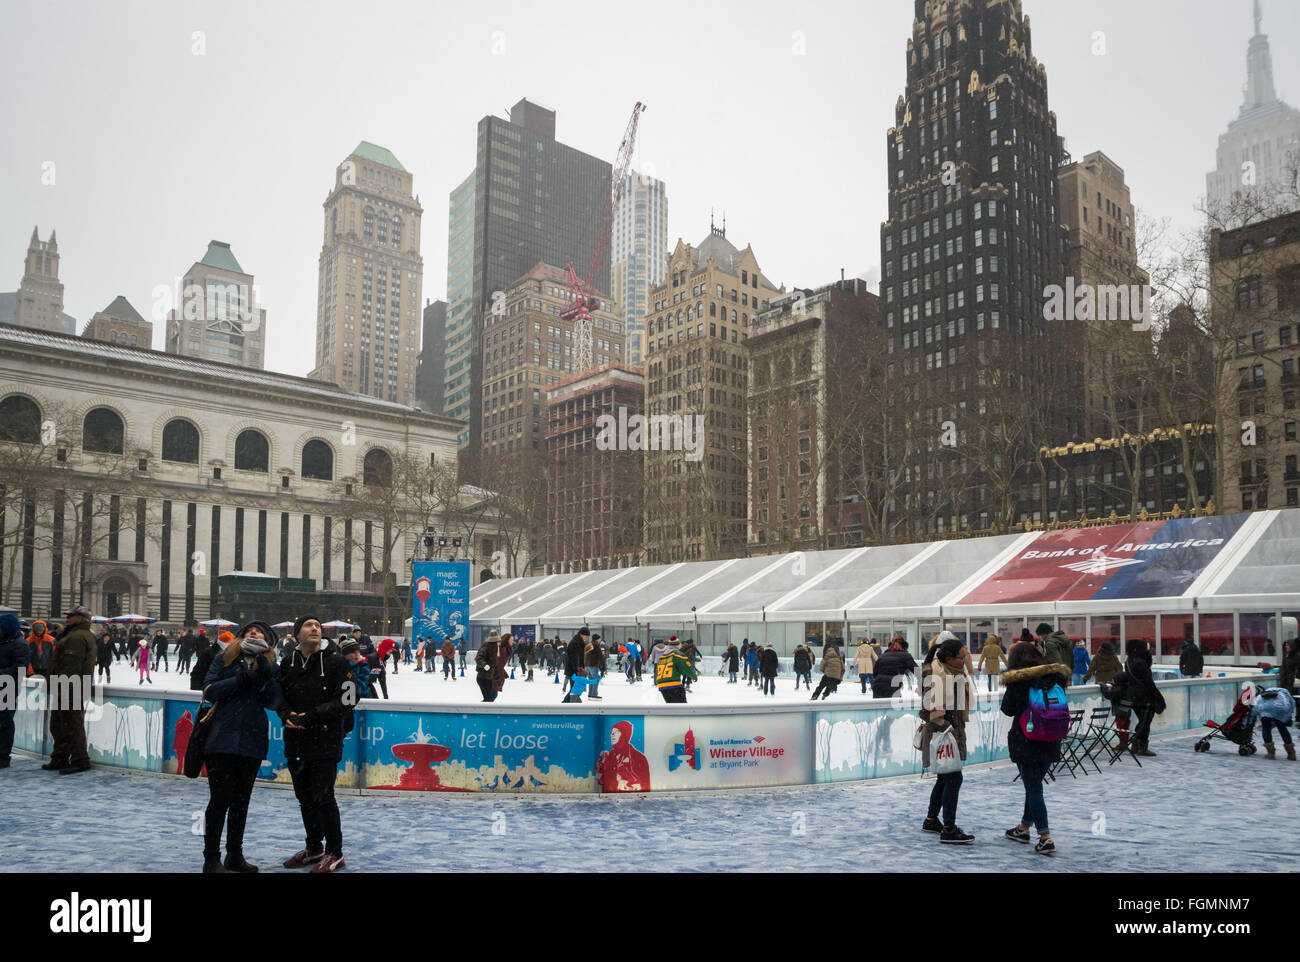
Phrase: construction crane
pixel 582 289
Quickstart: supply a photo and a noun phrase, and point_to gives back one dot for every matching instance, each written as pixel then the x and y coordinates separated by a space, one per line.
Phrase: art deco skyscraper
pixel 368 299
pixel 973 238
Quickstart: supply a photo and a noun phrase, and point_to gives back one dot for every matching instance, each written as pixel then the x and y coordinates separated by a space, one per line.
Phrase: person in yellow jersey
pixel 672 669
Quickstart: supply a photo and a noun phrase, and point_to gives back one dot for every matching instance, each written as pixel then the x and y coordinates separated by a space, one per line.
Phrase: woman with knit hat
pixel 242 684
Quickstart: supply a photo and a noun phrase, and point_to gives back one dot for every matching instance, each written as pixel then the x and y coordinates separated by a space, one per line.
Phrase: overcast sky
pixel 158 149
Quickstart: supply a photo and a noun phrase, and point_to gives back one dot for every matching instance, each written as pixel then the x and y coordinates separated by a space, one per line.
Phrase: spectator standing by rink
pixel 13 664
pixel 803 663
pixel 1190 661
pixel 316 685
pixel 1028 669
pixel 732 658
pixel 72 666
pixel 672 669
pixel 358 666
pixel 1275 706
pixel 1143 693
pixel 1081 663
pixel 864 664
pixel 242 684
pixel 832 667
pixel 448 659
pixel 992 660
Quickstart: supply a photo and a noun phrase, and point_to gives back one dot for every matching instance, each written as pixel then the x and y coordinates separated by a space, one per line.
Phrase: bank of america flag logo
pixel 1099 564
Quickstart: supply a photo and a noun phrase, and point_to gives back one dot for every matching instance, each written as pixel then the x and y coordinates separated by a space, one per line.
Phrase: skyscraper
pixel 535 200
pixel 39 300
pixel 430 375
pixel 640 244
pixel 1257 174
pixel 972 241
pixel 218 316
pixel 120 323
pixel 371 272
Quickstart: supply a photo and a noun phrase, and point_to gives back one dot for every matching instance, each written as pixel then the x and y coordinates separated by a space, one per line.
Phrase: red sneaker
pixel 305 857
pixel 330 863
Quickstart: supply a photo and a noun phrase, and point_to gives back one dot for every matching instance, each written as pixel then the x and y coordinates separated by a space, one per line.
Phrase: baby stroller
pixel 1239 728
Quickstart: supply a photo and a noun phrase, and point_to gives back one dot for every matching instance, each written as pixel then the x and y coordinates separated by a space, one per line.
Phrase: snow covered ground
pixel 1181 812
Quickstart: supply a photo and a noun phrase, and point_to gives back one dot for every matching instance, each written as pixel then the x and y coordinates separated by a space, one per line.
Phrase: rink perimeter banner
pixel 1149 559
pixel 524 633
pixel 727 751
pixel 418 752
pixel 440 600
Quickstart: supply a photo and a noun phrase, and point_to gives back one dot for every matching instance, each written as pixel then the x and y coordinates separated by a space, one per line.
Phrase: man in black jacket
pixel 1190 662
pixel 891 668
pixel 574 655
pixel 319 696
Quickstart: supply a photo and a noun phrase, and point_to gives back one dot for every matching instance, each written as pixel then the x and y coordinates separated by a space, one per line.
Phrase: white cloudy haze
pixel 158 150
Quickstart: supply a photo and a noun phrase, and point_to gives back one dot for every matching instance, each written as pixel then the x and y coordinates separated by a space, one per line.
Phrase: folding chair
pixel 1070 746
pixel 1097 738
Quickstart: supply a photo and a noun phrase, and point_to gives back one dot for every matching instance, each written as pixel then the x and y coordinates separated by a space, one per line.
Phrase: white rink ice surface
pixel 408 686
pixel 1181 812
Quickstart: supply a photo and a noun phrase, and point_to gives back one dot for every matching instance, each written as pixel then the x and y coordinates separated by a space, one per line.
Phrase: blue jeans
pixel 731 673
pixel 769 686
pixel 1035 814
pixel 1077 678
pixel 866 680
pixel 807 679
pixel 944 795
pixel 1269 725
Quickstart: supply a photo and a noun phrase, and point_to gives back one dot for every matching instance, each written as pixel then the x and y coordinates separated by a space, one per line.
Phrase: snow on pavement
pixel 1181 812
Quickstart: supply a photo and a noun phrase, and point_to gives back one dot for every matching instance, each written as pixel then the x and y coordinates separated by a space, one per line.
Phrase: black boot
pixel 212 866
pixel 235 863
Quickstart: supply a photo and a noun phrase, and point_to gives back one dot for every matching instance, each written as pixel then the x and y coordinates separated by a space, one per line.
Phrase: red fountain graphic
pixel 422 592
pixel 422 755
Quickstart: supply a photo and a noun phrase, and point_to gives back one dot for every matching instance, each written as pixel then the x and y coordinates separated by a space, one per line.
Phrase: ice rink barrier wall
pixel 588 748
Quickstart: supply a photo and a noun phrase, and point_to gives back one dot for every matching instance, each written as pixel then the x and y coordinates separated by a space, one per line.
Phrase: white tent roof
pixel 1248 562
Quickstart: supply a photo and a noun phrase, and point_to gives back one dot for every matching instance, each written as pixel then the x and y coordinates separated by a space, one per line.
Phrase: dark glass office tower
pixel 972 240
pixel 535 201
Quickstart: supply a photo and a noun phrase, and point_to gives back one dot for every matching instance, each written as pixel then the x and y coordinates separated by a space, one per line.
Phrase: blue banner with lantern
pixel 440 600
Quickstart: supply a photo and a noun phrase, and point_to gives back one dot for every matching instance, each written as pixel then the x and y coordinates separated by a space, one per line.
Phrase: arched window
pixel 180 442
pixel 397 232
pixel 103 432
pixel 317 460
pixel 252 451
pixel 377 470
pixel 20 420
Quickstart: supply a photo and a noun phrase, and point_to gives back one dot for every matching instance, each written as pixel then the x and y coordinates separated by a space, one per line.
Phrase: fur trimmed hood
pixel 1038 671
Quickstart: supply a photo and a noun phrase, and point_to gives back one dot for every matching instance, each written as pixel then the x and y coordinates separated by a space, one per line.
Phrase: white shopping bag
pixel 944 754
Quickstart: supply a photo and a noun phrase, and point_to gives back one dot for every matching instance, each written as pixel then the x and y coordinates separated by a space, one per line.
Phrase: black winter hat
pixel 298 622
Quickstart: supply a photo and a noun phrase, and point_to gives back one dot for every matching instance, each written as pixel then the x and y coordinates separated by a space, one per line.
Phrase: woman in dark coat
pixel 1145 696
pixel 733 663
pixel 1290 664
pixel 242 682
pixel 105 659
pixel 1028 668
pixel 486 669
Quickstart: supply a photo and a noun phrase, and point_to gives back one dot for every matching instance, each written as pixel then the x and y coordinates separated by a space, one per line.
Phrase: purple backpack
pixel 1047 719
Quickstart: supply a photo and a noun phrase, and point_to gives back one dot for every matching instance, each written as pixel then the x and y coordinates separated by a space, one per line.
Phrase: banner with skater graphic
pixel 409 751
pixel 523 634
pixel 622 765
pixel 440 600
pixel 724 751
